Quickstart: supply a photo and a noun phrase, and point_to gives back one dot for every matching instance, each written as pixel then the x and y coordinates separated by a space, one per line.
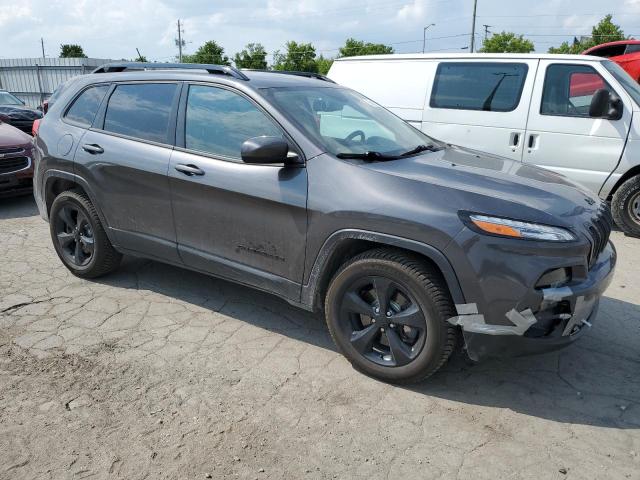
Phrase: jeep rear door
pixel 244 222
pixel 125 158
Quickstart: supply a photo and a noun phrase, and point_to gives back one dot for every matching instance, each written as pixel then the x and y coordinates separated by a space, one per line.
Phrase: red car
pixel 16 164
pixel 625 53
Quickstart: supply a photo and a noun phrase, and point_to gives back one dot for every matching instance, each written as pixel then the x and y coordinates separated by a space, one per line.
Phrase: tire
pixel 79 237
pixel 625 206
pixel 365 336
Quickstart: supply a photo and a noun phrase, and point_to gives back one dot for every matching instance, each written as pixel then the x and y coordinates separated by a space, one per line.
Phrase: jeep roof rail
pixel 317 76
pixel 215 69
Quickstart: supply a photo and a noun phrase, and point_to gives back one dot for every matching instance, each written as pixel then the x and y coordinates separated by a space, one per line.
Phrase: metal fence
pixel 34 79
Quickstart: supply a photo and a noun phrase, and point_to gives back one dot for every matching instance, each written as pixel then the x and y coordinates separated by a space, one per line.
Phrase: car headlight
pixel 505 227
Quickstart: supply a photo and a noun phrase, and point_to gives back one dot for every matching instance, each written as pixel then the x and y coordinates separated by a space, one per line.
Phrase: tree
pixel 324 64
pixel 70 50
pixel 299 56
pixel 209 52
pixel 253 56
pixel 507 42
pixel 353 47
pixel 605 31
pixel 141 58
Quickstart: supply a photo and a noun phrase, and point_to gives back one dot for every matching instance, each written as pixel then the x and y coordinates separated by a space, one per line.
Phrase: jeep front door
pixel 244 222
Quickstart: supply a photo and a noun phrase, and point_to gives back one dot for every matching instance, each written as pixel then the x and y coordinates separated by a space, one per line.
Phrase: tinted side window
pixel 492 87
pixel 141 110
pixel 84 108
pixel 609 51
pixel 568 90
pixel 219 121
pixel 632 48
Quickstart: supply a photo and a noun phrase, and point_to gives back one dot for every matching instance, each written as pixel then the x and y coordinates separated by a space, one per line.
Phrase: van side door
pixel 561 135
pixel 480 104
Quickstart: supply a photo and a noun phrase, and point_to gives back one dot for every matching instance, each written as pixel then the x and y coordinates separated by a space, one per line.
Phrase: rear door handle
pixel 189 169
pixel 92 148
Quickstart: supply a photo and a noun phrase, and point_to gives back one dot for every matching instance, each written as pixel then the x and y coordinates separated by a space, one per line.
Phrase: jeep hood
pixel 490 184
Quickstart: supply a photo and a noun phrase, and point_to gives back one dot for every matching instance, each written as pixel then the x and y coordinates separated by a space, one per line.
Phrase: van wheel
pixel 625 206
pixel 79 237
pixel 387 313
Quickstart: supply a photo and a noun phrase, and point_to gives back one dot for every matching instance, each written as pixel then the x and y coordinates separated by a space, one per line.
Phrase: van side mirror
pixel 267 150
pixel 605 104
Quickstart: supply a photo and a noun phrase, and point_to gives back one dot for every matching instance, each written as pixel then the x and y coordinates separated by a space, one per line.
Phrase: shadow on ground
pixel 593 382
pixel 18 207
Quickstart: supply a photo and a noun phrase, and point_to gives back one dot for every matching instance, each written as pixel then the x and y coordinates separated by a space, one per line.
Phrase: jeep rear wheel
pixel 387 313
pixel 625 206
pixel 79 238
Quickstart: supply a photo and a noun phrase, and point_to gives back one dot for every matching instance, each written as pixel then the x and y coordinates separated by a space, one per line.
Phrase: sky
pixel 114 28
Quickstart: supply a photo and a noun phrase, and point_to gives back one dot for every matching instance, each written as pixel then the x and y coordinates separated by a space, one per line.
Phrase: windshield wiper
pixel 372 155
pixel 369 155
pixel 418 149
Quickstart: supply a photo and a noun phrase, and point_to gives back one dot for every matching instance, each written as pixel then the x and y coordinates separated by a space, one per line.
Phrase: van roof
pixel 462 56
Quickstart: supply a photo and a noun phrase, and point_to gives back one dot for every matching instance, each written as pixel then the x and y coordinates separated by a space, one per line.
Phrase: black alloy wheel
pixel 382 321
pixel 74 235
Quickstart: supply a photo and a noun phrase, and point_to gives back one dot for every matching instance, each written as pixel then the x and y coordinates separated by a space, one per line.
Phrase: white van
pixel 575 114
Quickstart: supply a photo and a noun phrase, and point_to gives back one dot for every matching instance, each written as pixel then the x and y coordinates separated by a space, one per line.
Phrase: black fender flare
pixel 310 289
pixel 81 182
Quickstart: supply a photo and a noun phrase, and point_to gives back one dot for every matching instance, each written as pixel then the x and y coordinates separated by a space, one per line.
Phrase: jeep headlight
pixel 506 227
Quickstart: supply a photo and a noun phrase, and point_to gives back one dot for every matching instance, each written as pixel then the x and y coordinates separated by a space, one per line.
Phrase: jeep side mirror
pixel 268 150
pixel 605 104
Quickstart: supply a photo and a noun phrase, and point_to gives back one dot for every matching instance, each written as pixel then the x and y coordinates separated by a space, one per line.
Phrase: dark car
pixel 308 190
pixel 16 166
pixel 14 112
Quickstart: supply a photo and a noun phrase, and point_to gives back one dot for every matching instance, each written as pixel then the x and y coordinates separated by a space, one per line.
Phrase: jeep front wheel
pixel 387 312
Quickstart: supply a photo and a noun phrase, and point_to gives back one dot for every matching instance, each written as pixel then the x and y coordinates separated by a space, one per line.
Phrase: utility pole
pixel 473 27
pixel 424 36
pixel 486 31
pixel 42 43
pixel 180 42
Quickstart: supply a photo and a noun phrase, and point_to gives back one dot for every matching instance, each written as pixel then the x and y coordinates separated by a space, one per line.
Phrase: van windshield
pixel 631 87
pixel 347 124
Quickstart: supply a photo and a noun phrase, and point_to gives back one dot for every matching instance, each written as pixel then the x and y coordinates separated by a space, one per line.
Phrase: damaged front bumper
pixel 549 319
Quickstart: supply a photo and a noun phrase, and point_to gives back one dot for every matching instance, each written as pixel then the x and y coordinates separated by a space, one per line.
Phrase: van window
pixel 491 87
pixel 568 90
pixel 141 110
pixel 219 121
pixel 84 108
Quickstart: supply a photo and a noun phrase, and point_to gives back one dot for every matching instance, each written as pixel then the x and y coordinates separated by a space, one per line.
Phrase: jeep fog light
pixel 554 278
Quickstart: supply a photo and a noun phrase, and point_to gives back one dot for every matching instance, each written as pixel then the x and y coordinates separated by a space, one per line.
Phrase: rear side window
pixel 84 108
pixel 219 121
pixel 141 111
pixel 491 87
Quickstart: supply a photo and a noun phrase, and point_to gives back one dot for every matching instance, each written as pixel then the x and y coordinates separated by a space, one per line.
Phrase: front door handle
pixel 92 148
pixel 189 169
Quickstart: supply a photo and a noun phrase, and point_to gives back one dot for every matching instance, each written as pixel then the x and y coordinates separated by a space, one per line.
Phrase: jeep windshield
pixel 349 125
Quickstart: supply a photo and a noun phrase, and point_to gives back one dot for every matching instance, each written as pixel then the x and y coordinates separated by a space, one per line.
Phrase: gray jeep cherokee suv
pixel 310 191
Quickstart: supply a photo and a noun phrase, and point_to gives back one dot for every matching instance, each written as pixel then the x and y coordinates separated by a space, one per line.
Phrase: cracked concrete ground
pixel 157 372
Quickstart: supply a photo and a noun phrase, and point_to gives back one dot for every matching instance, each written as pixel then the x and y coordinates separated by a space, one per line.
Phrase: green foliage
pixel 507 42
pixel 299 56
pixel 253 56
pixel 605 31
pixel 141 58
pixel 70 50
pixel 353 47
pixel 209 52
pixel 324 64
